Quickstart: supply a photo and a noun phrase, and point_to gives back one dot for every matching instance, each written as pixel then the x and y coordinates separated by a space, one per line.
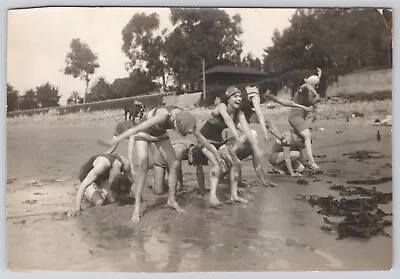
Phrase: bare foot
pixel 175 205
pixel 238 199
pixel 278 170
pixel 215 202
pixel 270 184
pixel 135 217
pixel 242 190
pixel 315 167
pixel 201 191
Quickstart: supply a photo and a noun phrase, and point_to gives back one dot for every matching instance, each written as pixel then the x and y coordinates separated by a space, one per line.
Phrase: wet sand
pixel 273 232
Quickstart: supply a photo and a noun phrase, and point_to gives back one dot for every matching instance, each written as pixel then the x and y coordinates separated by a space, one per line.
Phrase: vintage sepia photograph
pixel 185 139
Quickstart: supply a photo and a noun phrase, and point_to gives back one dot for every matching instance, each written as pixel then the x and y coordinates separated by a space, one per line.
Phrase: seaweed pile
pixel 377 196
pixel 362 217
pixel 362 155
pixel 361 225
pixel 371 181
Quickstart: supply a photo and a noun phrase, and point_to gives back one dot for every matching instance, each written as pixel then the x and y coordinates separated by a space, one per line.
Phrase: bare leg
pixel 241 185
pixel 234 177
pixel 167 151
pixel 214 178
pixel 306 134
pixel 159 174
pixel 143 167
pixel 278 164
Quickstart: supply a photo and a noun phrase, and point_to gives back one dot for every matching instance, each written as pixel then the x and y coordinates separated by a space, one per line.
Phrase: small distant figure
pixel 378 136
pixel 347 119
pixel 134 110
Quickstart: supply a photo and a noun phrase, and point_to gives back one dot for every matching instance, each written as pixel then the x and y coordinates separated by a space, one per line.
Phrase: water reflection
pixel 261 235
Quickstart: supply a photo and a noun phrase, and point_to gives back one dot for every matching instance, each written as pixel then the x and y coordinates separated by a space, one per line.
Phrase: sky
pixel 38 41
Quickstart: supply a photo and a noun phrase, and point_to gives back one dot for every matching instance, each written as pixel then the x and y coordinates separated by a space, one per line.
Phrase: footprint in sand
pixel 30 201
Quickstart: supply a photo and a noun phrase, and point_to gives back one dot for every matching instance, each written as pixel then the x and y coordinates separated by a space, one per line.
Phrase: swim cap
pixel 312 80
pixel 185 122
pixel 231 90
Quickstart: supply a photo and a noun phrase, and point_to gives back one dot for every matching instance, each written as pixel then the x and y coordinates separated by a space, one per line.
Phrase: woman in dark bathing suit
pixel 109 174
pixel 228 115
pixel 153 129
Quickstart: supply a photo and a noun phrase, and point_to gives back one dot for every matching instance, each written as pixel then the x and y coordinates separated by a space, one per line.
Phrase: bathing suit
pixel 297 116
pixel 88 166
pixel 160 161
pixel 158 131
pixel 247 108
pixel 212 129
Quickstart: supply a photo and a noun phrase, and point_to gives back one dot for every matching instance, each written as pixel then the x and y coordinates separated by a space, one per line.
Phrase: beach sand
pixel 273 232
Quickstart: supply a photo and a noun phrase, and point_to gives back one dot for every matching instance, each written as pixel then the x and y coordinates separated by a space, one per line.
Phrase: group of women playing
pixel 291 151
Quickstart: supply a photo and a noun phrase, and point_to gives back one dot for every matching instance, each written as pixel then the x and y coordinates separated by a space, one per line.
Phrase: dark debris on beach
pixel 362 216
pixel 371 181
pixel 362 155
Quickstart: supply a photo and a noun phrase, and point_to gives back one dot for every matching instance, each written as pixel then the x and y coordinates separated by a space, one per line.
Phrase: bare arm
pixel 112 148
pixel 260 171
pixel 159 118
pixel 261 119
pixel 131 146
pixel 273 129
pixel 288 103
pixel 248 134
pixel 312 90
pixel 257 154
pixel 99 167
pixel 303 158
pixel 314 112
pixel 221 108
pixel 288 162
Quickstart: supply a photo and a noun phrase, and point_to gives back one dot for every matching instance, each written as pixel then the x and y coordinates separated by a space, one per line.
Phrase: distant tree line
pixel 347 39
pixel 43 96
pixel 339 39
